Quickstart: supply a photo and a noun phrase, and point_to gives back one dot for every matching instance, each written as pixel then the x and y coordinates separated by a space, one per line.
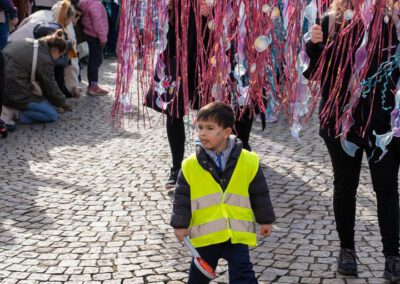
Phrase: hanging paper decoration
pixel 180 54
pixel 238 51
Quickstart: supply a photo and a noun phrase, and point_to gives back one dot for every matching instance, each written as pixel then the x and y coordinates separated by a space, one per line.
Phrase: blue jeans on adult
pixel 3 34
pixel 38 112
pixel 95 59
pixel 238 258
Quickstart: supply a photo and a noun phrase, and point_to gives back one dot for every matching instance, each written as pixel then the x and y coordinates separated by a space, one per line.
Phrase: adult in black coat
pixel 336 72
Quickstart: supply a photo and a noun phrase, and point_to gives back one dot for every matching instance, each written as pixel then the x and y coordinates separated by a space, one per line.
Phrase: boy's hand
pixel 181 233
pixel 265 230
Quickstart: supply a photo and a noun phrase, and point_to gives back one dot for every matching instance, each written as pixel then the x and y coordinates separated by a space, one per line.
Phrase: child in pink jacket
pixel 95 27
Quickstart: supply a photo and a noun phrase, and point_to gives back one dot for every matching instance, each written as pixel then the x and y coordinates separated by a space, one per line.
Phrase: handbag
pixel 161 97
pixel 83 49
pixel 36 89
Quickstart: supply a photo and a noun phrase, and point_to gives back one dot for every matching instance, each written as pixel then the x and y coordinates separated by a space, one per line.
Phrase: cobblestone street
pixel 81 202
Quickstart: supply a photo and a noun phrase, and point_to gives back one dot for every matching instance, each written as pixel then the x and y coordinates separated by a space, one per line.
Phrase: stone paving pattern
pixel 81 202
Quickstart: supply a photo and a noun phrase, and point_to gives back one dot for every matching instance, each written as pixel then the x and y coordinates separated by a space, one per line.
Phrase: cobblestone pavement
pixel 83 203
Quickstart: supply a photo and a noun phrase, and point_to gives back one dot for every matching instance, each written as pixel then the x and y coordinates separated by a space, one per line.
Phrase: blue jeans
pixel 38 112
pixel 3 34
pixel 238 258
pixel 95 59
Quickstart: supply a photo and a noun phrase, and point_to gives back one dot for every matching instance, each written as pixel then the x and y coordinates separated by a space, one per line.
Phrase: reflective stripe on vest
pixel 213 199
pixel 218 216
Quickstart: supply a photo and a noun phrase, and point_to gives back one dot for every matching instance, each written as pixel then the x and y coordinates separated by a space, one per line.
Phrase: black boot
pixel 347 263
pixel 172 178
pixel 392 269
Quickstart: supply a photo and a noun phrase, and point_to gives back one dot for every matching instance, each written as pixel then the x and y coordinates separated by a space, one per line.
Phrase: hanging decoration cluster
pixel 246 53
pixel 180 54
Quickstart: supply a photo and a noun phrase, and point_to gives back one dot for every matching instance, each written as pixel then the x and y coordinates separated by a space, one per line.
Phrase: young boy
pixel 219 194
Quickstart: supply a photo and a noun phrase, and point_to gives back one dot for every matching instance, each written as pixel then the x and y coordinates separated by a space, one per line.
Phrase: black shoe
pixel 3 129
pixel 392 269
pixel 11 128
pixel 172 178
pixel 347 264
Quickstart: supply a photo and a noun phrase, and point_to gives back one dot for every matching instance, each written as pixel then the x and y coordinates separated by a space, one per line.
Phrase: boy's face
pixel 212 136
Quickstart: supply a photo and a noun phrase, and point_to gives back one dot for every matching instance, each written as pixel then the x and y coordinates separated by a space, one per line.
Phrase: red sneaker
pixel 96 91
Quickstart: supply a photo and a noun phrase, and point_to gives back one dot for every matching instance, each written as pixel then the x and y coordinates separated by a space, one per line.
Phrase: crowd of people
pixel 44 45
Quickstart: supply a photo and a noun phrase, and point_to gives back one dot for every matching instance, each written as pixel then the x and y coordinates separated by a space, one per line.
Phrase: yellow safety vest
pixel 218 216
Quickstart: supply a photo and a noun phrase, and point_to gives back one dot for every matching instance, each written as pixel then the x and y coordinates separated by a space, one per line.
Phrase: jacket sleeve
pixel 8 7
pixel 99 21
pixel 45 76
pixel 314 51
pixel 260 200
pixel 181 211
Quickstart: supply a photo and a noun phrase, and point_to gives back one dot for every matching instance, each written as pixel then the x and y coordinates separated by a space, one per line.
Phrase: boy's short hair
pixel 220 113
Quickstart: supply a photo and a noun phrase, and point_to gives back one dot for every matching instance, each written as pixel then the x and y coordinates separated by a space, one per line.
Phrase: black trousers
pixel 95 59
pixel 112 36
pixel 59 76
pixel 238 258
pixel 384 175
pixel 1 79
pixel 176 136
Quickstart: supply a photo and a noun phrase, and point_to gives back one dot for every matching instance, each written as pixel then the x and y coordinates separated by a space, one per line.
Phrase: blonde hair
pixel 338 6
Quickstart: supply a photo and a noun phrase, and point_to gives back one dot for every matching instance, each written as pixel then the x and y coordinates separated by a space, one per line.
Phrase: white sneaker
pixel 7 115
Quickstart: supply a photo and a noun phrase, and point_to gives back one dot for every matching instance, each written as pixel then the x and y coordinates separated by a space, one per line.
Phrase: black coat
pixel 169 57
pixel 258 190
pixel 380 121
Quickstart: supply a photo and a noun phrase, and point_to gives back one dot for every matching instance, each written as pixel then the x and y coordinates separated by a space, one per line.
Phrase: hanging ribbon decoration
pixel 250 53
pixel 238 37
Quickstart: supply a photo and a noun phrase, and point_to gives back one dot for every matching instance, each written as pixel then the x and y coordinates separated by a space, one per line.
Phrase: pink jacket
pixel 94 19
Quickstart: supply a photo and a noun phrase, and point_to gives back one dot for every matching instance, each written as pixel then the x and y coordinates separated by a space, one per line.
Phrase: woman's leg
pixel 243 129
pixel 38 112
pixel 59 77
pixel 113 31
pixel 384 175
pixel 1 79
pixel 95 60
pixel 176 139
pixel 3 35
pixel 346 171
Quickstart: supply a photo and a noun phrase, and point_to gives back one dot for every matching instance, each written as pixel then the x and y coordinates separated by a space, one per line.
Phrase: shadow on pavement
pixel 40 162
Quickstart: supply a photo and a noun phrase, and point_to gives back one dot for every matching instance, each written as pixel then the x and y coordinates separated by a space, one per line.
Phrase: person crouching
pixel 18 92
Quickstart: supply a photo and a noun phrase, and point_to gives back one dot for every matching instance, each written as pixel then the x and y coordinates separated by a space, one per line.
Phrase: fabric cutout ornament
pixel 261 44
pixel 275 13
pixel 266 9
pixel 348 14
